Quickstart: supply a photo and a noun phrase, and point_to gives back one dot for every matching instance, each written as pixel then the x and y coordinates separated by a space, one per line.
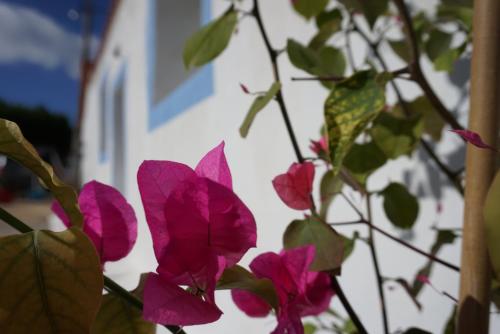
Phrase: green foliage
pixel 491 214
pixel 371 9
pixel 309 8
pixel 330 186
pixel 433 123
pixel 400 47
pixel 51 283
pixel 324 61
pixel 396 136
pixel 456 13
pixel 364 159
pixel 447 59
pixel 209 42
pixel 450 324
pixel 438 43
pixel 328 24
pixel 237 277
pixel 309 328
pixel 351 106
pixel 400 206
pixel 311 231
pixel 415 330
pixel 258 104
pixel 349 244
pixel 15 146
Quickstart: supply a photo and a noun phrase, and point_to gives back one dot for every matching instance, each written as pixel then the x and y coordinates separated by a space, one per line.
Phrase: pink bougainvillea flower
pixel 300 292
pixel 473 138
pixel 423 279
pixel 319 146
pixel 199 227
pixel 295 186
pixel 109 221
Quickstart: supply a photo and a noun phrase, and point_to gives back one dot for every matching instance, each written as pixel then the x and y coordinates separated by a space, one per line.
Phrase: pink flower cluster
pixel 199 228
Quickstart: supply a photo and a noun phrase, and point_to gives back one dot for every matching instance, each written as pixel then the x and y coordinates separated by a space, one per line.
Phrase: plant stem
pixel 273 55
pixel 380 282
pixel 109 284
pixel 345 302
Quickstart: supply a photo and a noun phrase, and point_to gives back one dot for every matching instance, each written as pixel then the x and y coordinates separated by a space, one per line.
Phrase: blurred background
pixel 98 86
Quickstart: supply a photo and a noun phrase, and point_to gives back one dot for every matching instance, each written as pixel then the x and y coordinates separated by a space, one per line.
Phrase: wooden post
pixel 475 276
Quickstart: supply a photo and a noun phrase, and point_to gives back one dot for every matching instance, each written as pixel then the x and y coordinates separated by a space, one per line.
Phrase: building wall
pixel 266 152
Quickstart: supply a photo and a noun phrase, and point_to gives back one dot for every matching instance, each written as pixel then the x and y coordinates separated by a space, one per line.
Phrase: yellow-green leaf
pixel 258 104
pixel 330 186
pixel 209 42
pixel 15 146
pixel 237 277
pixel 492 221
pixel 50 283
pixel 328 243
pixel 351 106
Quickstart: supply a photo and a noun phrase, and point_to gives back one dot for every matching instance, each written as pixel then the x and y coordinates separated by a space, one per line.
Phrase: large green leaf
pixel 396 136
pixel 372 9
pixel 50 283
pixel 237 277
pixel 116 316
pixel 351 106
pixel 209 42
pixel 328 243
pixel 258 104
pixel 492 221
pixel 400 206
pixel 309 8
pixel 15 146
pixel 363 159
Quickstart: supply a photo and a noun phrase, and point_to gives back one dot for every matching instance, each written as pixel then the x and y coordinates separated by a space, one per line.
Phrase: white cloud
pixel 28 35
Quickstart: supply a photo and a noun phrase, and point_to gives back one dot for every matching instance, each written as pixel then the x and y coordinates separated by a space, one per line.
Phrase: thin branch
pixel 109 284
pixel 345 302
pixel 380 281
pixel 416 70
pixel 407 245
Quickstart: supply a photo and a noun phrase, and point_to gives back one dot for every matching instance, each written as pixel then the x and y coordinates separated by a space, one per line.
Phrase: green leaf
pixel 415 330
pixel 237 277
pixel 331 62
pixel 309 8
pixel 301 57
pixel 363 159
pixel 372 9
pixel 328 243
pixel 438 43
pixel 433 123
pixel 349 244
pixel 330 186
pixel 450 324
pixel 50 282
pixel 491 214
pixel 396 136
pixel 209 42
pixel 118 317
pixel 309 328
pixel 328 24
pixel 351 106
pixel 447 59
pixel 401 49
pixel 15 146
pixel 449 12
pixel 400 206
pixel 258 104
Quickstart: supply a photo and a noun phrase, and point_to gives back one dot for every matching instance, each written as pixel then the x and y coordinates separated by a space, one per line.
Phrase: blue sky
pixel 39 57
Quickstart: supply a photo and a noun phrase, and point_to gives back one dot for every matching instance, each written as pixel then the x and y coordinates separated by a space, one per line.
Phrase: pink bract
pixel 199 227
pixel 295 186
pixel 473 138
pixel 319 146
pixel 300 292
pixel 109 221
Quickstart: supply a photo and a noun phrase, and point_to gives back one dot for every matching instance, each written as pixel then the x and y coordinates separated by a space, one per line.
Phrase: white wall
pixel 266 152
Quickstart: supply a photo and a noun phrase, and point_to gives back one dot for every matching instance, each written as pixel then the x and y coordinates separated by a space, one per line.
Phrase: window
pixel 172 89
